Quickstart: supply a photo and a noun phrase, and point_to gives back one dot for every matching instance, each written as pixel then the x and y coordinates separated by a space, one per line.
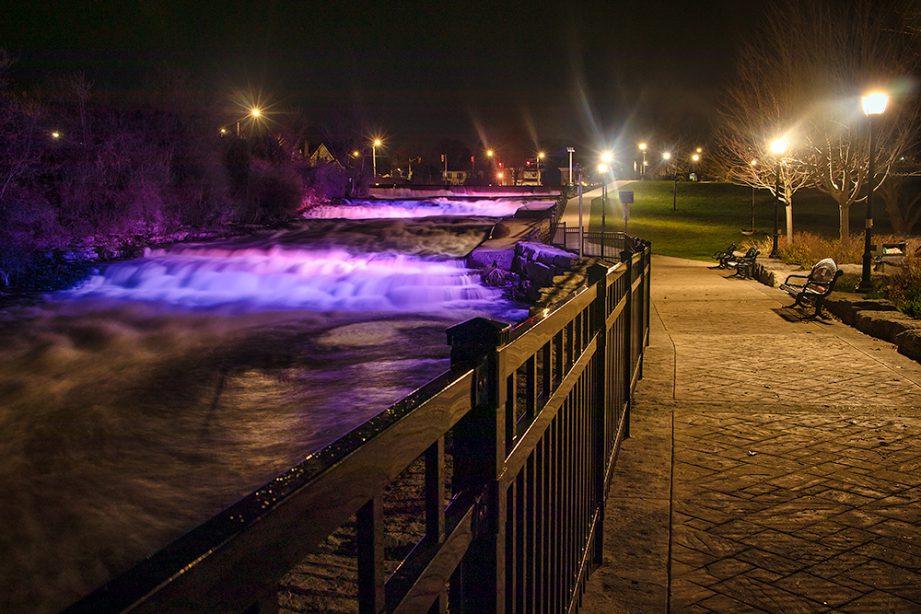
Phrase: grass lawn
pixel 709 216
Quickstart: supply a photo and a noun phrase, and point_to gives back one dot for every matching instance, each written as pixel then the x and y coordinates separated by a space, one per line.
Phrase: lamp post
pixel 642 147
pixel 540 156
pixel 374 145
pixel 570 151
pixel 778 147
pixel 581 233
pixel 695 158
pixel 874 104
pixel 603 169
pixel 667 155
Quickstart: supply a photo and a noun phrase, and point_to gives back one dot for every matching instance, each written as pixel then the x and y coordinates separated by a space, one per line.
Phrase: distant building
pixel 455 177
pixel 322 155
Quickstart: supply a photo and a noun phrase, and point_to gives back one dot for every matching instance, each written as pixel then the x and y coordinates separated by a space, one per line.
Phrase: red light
pixel 527 163
pixel 471 158
pixel 500 165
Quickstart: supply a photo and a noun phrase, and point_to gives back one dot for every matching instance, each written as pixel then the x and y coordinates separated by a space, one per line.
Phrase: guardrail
pixel 528 421
pixel 594 243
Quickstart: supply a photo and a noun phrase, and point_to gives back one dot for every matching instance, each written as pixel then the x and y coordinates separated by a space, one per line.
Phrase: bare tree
pixel 804 72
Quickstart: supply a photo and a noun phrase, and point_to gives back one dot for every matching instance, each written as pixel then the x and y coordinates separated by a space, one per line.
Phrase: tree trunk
pixel 844 222
pixel 789 211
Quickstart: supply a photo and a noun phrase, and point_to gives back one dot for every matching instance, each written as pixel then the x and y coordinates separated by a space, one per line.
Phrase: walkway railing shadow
pixel 527 422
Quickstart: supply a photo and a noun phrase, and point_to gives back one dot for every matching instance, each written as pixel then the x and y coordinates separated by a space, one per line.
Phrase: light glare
pixel 875 103
pixel 778 146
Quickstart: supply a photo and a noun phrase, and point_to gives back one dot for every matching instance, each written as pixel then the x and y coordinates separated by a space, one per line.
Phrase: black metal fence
pixel 533 415
pixel 594 243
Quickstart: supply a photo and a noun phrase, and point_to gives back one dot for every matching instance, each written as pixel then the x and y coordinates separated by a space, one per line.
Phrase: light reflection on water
pixel 165 388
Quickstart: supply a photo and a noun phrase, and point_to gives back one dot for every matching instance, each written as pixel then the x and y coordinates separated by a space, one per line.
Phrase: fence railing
pixel 528 422
pixel 594 243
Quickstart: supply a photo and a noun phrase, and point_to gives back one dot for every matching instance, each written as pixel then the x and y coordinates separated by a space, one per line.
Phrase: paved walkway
pixel 774 465
pixel 571 211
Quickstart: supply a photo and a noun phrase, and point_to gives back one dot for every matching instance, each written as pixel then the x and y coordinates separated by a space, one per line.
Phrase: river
pixel 160 390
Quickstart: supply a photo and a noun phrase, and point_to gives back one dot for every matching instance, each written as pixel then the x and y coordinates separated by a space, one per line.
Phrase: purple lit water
pixel 356 209
pixel 162 389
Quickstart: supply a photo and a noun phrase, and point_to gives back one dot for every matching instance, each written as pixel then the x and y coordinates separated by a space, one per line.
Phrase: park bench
pixel 817 285
pixel 724 256
pixel 893 254
pixel 744 265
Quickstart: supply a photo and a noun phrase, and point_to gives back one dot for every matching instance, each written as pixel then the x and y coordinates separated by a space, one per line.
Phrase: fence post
pixel 479 454
pixel 627 258
pixel 598 276
pixel 648 292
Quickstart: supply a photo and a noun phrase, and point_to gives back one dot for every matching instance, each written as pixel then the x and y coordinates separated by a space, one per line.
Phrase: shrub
pixel 903 288
pixel 273 192
pixel 808 248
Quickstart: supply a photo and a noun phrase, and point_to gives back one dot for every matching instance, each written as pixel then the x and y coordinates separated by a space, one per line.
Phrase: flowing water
pixel 160 390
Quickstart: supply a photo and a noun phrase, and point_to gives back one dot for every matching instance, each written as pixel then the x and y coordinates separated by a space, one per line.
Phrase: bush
pixel 904 288
pixel 808 248
pixel 273 192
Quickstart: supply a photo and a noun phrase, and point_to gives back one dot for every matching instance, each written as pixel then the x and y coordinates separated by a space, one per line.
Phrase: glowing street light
pixel 356 153
pixel 603 169
pixel 490 153
pixel 607 157
pixel 778 147
pixel 374 145
pixel 874 103
pixel 255 112
pixel 642 147
pixel 55 135
pixel 540 156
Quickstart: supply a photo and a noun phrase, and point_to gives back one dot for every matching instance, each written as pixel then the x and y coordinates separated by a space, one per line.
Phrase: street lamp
pixel 603 169
pixel 570 151
pixel 695 158
pixel 778 147
pixel 540 156
pixel 55 135
pixel 374 145
pixel 667 155
pixel 642 147
pixel 874 104
pixel 490 153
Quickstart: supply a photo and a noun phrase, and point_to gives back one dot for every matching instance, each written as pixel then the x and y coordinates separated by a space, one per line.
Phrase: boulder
pixel 547 254
pixel 539 273
pixel 482 258
pixel 909 342
pixel 885 325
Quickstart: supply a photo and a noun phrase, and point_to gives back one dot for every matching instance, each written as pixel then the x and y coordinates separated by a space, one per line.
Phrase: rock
pixel 909 342
pixel 481 258
pixel 539 273
pixel 886 325
pixel 846 307
pixel 547 254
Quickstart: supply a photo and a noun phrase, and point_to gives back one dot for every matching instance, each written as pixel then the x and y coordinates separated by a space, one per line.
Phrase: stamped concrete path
pixel 773 465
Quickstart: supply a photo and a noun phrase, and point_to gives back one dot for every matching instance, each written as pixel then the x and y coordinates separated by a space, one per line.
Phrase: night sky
pixel 506 75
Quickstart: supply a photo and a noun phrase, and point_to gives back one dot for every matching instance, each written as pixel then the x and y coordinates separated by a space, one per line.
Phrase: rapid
pixel 160 390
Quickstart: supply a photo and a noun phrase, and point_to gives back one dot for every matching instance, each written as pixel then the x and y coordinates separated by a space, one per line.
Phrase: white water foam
pixel 375 209
pixel 292 278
